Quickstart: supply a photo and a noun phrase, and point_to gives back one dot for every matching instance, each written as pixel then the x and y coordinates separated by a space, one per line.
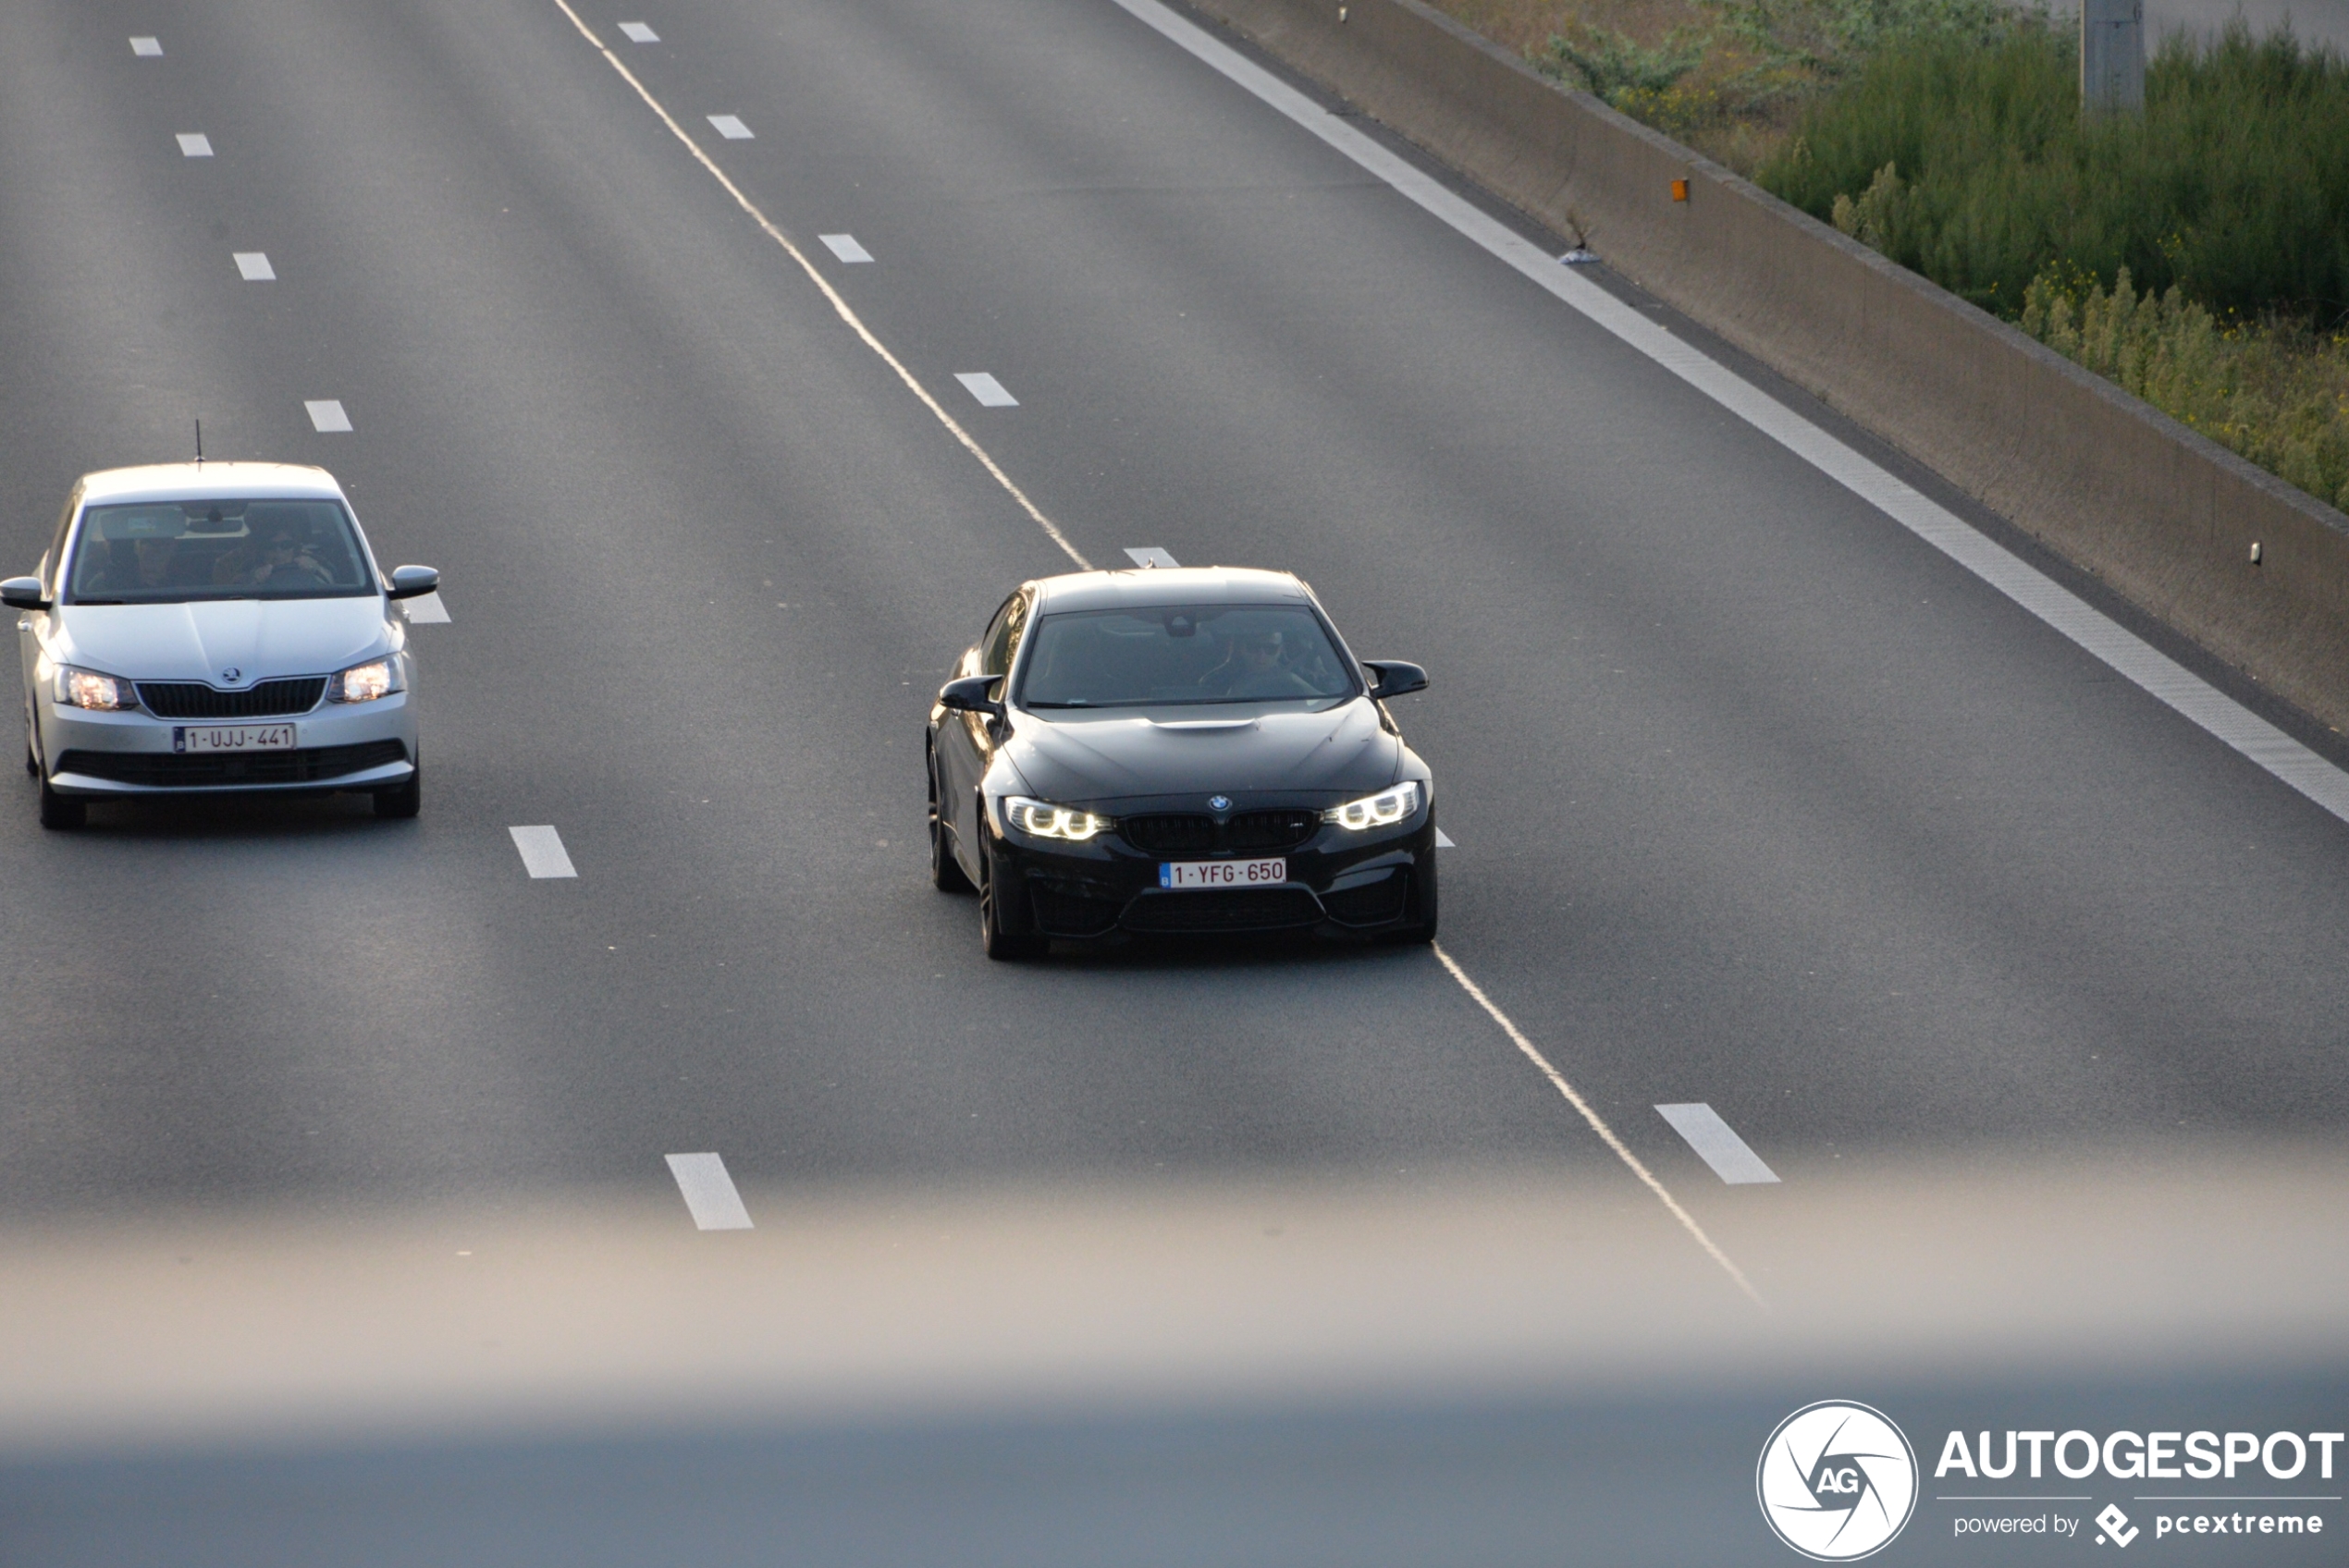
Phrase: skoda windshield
pixel 170 552
pixel 1183 653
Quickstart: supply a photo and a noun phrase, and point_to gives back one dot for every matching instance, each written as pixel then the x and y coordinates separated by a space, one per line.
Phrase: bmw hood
pixel 259 639
pixel 1098 757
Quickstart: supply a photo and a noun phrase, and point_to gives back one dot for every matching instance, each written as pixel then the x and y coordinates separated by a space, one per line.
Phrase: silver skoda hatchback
pixel 215 627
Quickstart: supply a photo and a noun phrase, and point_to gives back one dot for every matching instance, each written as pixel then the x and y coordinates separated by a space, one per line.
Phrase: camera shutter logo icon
pixel 1837 1481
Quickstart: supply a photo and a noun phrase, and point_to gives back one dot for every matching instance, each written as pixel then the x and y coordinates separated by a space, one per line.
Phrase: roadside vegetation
pixel 2198 255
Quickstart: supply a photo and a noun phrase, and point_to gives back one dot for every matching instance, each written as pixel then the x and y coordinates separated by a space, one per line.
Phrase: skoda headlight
pixel 1383 810
pixel 88 689
pixel 366 683
pixel 1041 819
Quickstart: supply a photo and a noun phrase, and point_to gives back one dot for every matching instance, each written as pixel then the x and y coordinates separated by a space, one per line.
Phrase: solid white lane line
pixel 148 47
pixel 195 144
pixel 832 296
pixel 844 246
pixel 326 414
pixel 425 609
pixel 2130 655
pixel 986 389
pixel 542 853
pixel 1717 1143
pixel 1597 1123
pixel 710 1192
pixel 253 267
pixel 1151 556
pixel 637 32
pixel 731 126
pixel 1444 840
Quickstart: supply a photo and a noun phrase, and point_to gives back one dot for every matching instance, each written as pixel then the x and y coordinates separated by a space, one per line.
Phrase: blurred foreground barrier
pixel 2166 517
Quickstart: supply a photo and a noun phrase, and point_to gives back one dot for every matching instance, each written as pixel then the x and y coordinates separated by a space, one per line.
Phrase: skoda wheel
pixel 65 812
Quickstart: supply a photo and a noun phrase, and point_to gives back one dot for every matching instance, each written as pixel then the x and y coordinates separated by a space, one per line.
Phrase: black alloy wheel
pixel 1009 947
pixel 945 870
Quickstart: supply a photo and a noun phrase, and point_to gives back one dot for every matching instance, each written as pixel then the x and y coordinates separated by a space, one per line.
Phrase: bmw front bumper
pixel 1369 883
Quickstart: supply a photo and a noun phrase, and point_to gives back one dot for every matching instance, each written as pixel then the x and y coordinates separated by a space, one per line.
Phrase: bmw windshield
pixel 170 552
pixel 1174 655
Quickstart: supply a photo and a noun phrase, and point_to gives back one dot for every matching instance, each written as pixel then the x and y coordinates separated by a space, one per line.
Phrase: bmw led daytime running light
pixel 1041 819
pixel 366 683
pixel 88 689
pixel 1383 810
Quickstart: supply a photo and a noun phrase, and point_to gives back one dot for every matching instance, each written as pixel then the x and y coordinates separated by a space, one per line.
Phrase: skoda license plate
pixel 1221 872
pixel 191 739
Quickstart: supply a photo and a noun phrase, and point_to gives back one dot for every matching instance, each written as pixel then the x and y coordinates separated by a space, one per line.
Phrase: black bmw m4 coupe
pixel 1176 751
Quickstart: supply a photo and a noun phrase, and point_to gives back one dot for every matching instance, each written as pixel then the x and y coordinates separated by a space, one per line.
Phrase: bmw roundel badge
pixel 1219 803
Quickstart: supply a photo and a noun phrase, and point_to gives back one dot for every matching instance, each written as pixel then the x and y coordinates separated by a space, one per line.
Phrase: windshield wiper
pixel 102 601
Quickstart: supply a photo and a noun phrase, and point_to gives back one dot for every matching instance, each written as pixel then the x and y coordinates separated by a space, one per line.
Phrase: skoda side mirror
pixel 973 693
pixel 22 593
pixel 1393 678
pixel 411 582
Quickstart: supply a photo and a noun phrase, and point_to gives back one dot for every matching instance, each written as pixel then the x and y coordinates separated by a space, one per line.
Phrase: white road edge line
pixel 637 32
pixel 543 855
pixel 1444 840
pixel 844 246
pixel 1717 1143
pixel 425 609
pixel 253 267
pixel 326 415
pixel 2161 677
pixel 854 322
pixel 195 144
pixel 710 1192
pixel 986 389
pixel 147 48
pixel 1150 555
pixel 731 126
pixel 1597 1122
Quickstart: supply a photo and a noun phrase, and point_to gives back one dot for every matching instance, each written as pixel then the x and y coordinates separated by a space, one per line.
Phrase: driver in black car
pixel 1255 666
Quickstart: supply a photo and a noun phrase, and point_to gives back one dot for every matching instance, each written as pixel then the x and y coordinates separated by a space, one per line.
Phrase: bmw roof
pixel 1167 585
pixel 190 482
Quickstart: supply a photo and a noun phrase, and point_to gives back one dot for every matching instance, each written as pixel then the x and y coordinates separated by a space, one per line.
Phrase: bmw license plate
pixel 193 739
pixel 1221 872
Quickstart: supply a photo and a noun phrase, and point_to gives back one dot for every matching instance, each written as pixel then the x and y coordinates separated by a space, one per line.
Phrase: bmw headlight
pixel 1041 819
pixel 366 683
pixel 88 689
pixel 1383 810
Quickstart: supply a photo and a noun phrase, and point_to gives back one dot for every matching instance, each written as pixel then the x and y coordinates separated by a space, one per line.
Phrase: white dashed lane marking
pixel 844 246
pixel 326 414
pixel 637 32
pixel 986 389
pixel 542 853
pixel 730 126
pixel 253 267
pixel 1717 1143
pixel 1150 554
pixel 425 609
pixel 195 144
pixel 710 1192
pixel 148 47
pixel 1444 840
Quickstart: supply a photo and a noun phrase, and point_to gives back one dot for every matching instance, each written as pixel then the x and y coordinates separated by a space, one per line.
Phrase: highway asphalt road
pixel 1758 800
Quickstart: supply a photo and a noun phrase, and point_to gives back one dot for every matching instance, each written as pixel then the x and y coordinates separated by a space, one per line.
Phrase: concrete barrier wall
pixel 2163 515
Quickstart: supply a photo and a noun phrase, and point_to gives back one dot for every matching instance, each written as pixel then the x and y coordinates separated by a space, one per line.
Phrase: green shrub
pixel 1970 163
pixel 2272 391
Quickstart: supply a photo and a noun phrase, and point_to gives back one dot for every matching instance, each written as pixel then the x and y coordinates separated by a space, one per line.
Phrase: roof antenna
pixel 199 443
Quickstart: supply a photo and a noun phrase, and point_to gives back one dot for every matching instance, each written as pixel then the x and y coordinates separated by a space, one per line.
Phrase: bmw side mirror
pixel 973 693
pixel 22 593
pixel 411 582
pixel 1393 678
